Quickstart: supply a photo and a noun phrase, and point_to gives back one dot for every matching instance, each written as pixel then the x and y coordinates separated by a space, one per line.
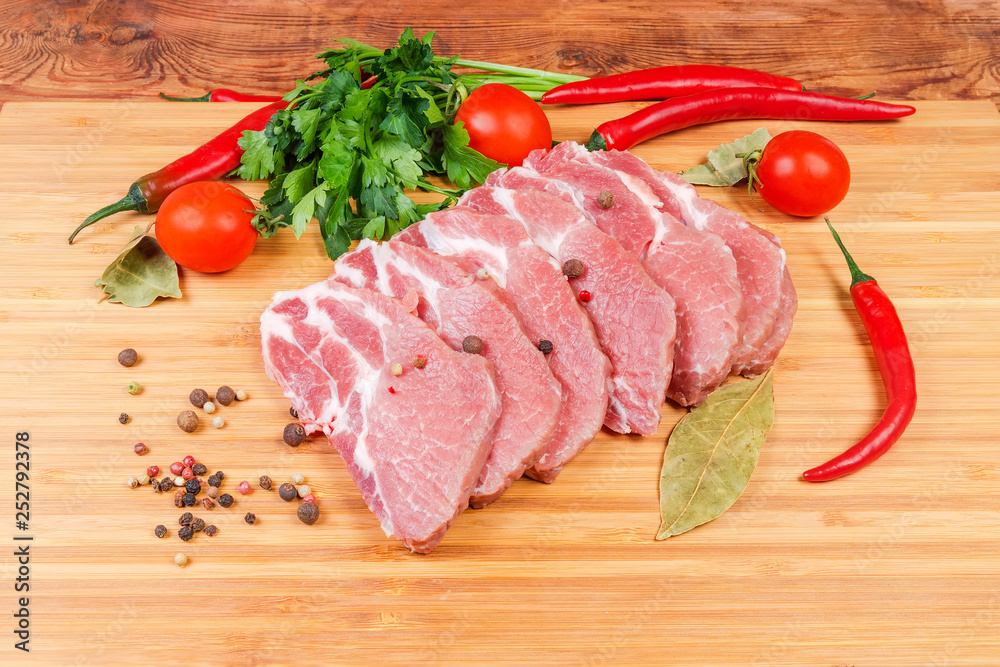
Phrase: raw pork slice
pixel 414 444
pixel 695 267
pixel 457 304
pixel 548 309
pixel 632 315
pixel 760 264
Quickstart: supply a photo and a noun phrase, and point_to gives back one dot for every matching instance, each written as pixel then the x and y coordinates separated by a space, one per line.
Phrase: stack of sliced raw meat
pixel 494 339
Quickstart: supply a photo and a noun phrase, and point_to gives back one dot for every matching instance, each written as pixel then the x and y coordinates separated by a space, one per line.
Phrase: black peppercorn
pixel 226 500
pixel 186 519
pixel 211 530
pixel 606 199
pixel 189 500
pixel 124 418
pixel 250 518
pixel 155 483
pixel 198 398
pixel 572 268
pixel 220 475
pixel 193 486
pixel 293 413
pixel 179 498
pixel 287 491
pixel 213 480
pixel 185 533
pixel 199 469
pixel 294 435
pixel 308 513
pixel 225 395
pixel 265 483
pixel 160 531
pixel 545 346
pixel 198 525
pixel 166 483
pixel 128 357
pixel 472 345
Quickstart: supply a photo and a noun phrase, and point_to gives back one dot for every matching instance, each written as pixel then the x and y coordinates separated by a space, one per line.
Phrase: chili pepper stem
pixel 133 201
pixel 597 142
pixel 857 275
pixel 207 97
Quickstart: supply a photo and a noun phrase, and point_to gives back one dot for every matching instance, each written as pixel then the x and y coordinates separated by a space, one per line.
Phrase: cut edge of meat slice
pixel 760 264
pixel 695 267
pixel 415 480
pixel 458 305
pixel 548 309
pixel 622 300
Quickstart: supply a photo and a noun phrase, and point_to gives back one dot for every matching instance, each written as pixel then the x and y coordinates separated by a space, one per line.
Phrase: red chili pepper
pixel 208 162
pixel 661 83
pixel 732 104
pixel 224 95
pixel 894 364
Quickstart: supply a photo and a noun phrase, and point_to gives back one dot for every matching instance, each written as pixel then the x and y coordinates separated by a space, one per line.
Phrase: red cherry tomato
pixel 205 226
pixel 803 173
pixel 503 123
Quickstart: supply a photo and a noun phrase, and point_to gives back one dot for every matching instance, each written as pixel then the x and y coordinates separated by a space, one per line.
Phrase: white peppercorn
pixel 218 422
pixel 241 395
pixel 132 482
pixel 303 491
pixel 298 478
pixel 180 560
pixel 209 407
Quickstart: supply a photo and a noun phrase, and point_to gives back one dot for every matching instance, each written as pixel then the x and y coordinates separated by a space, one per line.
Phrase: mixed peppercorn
pixel 187 476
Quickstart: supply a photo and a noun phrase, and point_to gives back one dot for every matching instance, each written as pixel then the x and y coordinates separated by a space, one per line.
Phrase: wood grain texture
pixel 898 564
pixel 921 49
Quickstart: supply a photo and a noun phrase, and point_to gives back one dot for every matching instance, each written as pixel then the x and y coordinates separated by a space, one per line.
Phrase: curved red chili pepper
pixel 224 95
pixel 208 162
pixel 661 83
pixel 892 355
pixel 732 104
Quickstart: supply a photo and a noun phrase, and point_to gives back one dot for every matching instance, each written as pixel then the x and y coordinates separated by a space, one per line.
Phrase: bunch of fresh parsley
pixel 345 152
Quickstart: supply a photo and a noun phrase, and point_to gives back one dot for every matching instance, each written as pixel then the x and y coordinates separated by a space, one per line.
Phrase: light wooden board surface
pixel 898 564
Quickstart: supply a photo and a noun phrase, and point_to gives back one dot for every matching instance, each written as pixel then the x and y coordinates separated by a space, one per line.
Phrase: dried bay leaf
pixel 140 274
pixel 711 454
pixel 724 168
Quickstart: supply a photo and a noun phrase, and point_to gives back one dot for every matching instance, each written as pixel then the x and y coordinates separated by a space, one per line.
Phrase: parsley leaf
pixel 347 155
pixel 465 167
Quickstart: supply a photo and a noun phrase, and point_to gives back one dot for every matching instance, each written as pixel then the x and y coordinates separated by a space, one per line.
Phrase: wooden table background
pixel 916 49
pixel 885 542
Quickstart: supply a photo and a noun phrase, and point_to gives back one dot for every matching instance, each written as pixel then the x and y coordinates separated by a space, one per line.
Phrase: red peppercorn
pixel 141 449
pixel 244 487
pixel 309 499
pixel 188 460
pixel 584 295
pixel 392 390
pixel 176 468
pixel 187 473
pixel 153 471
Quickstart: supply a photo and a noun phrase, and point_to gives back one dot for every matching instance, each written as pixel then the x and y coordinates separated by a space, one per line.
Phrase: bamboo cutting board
pixel 898 564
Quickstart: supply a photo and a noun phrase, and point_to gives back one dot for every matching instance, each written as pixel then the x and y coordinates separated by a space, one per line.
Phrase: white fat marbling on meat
pixel 496 258
pixel 640 189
